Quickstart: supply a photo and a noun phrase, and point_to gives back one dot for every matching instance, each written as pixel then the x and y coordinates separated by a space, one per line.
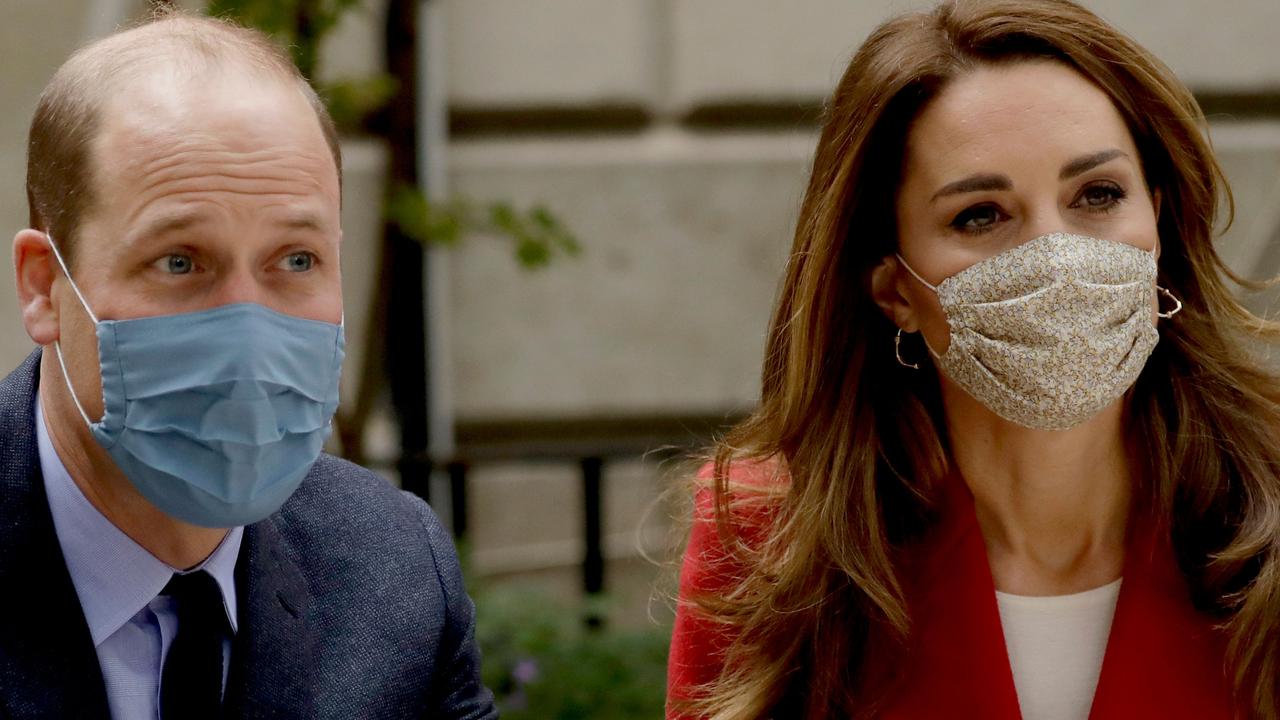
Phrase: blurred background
pixel 564 223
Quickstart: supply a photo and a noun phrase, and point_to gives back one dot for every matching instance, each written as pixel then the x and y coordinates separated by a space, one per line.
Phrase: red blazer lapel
pixel 956 665
pixel 1163 659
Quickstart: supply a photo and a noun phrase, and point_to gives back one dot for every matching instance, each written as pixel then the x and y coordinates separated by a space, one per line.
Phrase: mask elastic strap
pixel 57 346
pixel 57 255
pixel 915 274
pixel 929 347
pixel 927 284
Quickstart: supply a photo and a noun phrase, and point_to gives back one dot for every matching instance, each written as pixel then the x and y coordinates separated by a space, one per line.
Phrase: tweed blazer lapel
pixel 48 665
pixel 271 663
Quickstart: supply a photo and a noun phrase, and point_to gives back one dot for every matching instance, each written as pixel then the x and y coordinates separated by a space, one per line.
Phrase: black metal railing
pixel 590 444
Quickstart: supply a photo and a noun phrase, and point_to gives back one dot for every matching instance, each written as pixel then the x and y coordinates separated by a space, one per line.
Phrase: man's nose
pixel 240 285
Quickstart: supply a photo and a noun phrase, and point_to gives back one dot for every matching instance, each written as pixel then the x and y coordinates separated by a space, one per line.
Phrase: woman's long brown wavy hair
pixel 859 441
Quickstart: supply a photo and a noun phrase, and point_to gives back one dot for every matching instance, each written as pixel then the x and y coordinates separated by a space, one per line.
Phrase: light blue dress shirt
pixel 119 583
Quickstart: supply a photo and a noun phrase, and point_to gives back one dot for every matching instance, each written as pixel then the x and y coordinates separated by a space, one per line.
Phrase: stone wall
pixel 686 186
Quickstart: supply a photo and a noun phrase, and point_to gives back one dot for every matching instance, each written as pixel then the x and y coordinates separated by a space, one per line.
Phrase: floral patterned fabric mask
pixel 1050 332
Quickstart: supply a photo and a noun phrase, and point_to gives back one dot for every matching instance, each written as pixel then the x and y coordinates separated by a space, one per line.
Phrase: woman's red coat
pixel 1163 658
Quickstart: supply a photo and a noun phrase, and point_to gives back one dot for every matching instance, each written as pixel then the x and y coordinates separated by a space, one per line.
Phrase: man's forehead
pixel 220 102
pixel 166 148
pixel 161 119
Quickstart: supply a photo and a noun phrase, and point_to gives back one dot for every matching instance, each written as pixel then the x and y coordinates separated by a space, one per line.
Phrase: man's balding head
pixel 174 48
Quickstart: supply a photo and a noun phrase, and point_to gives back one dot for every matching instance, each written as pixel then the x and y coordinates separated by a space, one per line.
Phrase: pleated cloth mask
pixel 215 416
pixel 1050 332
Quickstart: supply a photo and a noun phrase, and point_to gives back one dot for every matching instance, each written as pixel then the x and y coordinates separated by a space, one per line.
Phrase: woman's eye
pixel 176 264
pixel 1101 197
pixel 977 219
pixel 299 261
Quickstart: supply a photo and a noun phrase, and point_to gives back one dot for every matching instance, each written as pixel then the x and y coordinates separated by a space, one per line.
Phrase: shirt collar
pixel 114 576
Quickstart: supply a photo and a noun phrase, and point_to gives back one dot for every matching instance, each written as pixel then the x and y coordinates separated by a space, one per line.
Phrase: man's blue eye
pixel 300 262
pixel 179 264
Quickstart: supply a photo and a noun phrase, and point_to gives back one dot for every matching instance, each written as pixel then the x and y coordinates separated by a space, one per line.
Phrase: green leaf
pixel 419 219
pixel 298 25
pixel 537 234
pixel 532 254
pixel 275 17
pixel 504 218
pixel 350 101
pixel 558 236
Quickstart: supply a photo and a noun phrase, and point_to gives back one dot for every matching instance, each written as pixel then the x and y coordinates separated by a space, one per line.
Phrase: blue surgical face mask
pixel 214 416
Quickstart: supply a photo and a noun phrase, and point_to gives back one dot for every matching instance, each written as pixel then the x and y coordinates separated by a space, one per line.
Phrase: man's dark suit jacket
pixel 350 599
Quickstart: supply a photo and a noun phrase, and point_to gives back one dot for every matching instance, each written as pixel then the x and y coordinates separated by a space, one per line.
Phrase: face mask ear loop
pixel 57 345
pixel 915 274
pixel 58 256
pixel 927 284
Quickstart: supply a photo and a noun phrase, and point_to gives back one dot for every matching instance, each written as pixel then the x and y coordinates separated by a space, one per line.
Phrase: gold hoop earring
pixel 897 351
pixel 1177 304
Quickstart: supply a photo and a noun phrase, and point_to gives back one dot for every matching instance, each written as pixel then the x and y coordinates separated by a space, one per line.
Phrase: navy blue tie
pixel 191 684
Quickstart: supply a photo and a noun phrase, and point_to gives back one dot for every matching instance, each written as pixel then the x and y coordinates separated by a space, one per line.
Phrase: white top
pixel 1055 648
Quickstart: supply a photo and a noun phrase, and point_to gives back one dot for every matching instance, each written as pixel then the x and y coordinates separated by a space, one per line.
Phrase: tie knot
pixel 197 594
pixel 183 585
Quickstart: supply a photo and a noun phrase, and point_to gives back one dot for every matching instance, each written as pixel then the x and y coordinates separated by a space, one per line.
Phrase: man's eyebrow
pixel 185 220
pixel 974 183
pixel 304 221
pixel 169 223
pixel 1088 162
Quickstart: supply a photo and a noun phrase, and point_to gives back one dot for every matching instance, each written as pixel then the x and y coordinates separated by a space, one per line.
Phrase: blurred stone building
pixel 673 137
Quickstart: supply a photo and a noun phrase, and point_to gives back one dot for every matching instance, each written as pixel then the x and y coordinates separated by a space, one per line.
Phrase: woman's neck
pixel 1052 505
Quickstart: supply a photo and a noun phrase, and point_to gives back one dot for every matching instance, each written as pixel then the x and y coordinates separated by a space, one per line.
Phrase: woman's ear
pixel 887 292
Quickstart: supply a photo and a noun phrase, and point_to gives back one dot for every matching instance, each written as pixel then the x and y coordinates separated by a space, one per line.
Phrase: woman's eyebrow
pixel 1086 163
pixel 987 182
pixel 984 182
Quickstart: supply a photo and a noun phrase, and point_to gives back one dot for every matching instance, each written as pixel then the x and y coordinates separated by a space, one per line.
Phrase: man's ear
pixel 36 269
pixel 886 291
